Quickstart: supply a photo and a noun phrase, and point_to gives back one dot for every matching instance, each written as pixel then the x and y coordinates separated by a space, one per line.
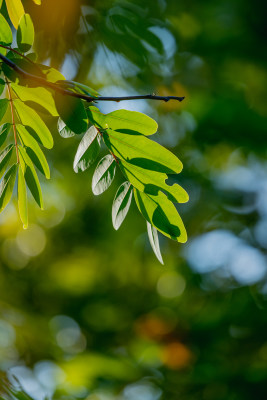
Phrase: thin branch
pixel 89 99
pixel 17 52
pixel 13 119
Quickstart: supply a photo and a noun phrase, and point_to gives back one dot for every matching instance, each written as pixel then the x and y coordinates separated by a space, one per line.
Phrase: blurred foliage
pixel 89 313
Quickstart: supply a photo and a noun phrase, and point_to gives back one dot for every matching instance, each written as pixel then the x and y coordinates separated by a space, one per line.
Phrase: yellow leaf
pixel 38 2
pixel 15 11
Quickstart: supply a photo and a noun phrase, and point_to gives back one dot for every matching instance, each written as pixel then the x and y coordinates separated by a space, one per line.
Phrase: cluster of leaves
pixel 144 163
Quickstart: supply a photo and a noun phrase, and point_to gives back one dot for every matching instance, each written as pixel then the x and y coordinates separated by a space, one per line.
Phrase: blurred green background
pixel 87 312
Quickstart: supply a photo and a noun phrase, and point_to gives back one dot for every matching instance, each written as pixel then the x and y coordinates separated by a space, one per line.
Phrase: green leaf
pixel 152 181
pixel 138 150
pixel 24 64
pixel 3 51
pixel 51 74
pixel 71 110
pixel 2 85
pixel 39 95
pixel 22 198
pixel 104 174
pixel 25 33
pixel 33 150
pixel 7 185
pixel 96 117
pixel 32 178
pixel 15 11
pixel 124 121
pixel 87 151
pixel 154 241
pixel 161 213
pixel 5 157
pixel 5 32
pixel 63 130
pixel 4 131
pixel 30 118
pixel 32 56
pixel 78 88
pixel 3 107
pixel 121 204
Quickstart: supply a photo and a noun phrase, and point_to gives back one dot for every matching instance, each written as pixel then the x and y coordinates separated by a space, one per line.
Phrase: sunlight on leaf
pixel 104 174
pixel 121 204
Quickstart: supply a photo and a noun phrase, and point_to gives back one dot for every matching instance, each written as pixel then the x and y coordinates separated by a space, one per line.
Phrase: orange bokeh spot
pixel 153 327
pixel 176 355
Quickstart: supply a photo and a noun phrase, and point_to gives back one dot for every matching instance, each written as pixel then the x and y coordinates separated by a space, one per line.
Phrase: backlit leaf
pixel 33 150
pixel 63 130
pixel 39 95
pixel 154 241
pixel 124 121
pixel 4 131
pixel 51 74
pixel 5 156
pixel 25 33
pixel 71 110
pixel 7 185
pixel 78 88
pixel 141 151
pixel 162 214
pixel 15 11
pixel 5 32
pixel 3 107
pixel 152 181
pixel 2 85
pixel 22 198
pixel 121 204
pixel 31 178
pixel 87 151
pixel 104 174
pixel 30 118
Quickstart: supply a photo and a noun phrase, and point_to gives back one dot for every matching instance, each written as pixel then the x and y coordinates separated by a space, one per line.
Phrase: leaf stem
pixel 89 99
pixel 17 52
pixel 13 118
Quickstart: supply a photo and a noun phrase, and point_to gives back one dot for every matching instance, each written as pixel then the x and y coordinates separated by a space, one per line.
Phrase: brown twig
pixel 59 89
